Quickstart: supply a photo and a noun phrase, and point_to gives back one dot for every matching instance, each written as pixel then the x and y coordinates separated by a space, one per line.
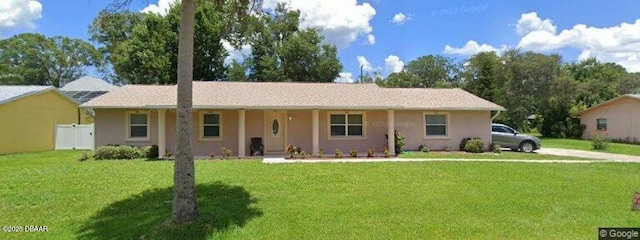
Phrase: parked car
pixel 508 137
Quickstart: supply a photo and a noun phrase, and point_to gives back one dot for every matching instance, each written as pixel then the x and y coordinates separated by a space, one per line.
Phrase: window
pixel 138 126
pixel 211 123
pixel 346 125
pixel 602 124
pixel 435 125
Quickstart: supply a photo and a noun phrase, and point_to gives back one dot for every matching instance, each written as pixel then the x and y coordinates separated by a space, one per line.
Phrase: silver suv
pixel 508 137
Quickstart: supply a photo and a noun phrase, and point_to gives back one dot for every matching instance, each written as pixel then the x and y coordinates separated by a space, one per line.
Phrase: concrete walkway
pixel 589 154
pixel 373 160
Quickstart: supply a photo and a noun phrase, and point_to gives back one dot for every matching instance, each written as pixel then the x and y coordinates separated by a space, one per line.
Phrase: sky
pixel 383 35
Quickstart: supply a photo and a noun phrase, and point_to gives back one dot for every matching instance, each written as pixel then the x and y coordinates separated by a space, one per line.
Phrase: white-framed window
pixel 138 126
pixel 436 125
pixel 210 126
pixel 346 125
pixel 601 124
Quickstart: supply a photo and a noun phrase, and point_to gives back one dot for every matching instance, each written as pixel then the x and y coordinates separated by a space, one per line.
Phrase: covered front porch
pixel 309 129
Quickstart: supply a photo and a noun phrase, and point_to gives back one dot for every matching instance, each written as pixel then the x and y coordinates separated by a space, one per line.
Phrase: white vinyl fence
pixel 74 137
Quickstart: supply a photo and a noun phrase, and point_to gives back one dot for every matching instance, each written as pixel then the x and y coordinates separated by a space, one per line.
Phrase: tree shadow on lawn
pixel 147 215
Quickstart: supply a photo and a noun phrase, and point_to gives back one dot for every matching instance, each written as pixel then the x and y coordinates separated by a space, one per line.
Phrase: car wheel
pixel 527 146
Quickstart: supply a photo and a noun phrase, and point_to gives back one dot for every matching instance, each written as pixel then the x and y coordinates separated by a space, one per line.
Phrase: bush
pixel 118 152
pixel 386 152
pixel 447 149
pixel 474 146
pixel 370 152
pixel 226 152
pixel 399 141
pixel 321 153
pixel 353 152
pixel 600 140
pixel 151 152
pixel 338 153
pixel 464 141
pixel 496 148
pixel 423 148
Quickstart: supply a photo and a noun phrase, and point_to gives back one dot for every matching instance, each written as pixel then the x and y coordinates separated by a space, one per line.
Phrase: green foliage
pixel 33 59
pixel 474 146
pixel 353 152
pixel 321 153
pixel 386 152
pixel 600 140
pixel 447 149
pixel 482 76
pixel 371 152
pixel 423 148
pixel 496 148
pixel 338 153
pixel 118 152
pixel 151 152
pixel 399 141
pixel 464 141
pixel 425 72
pixel 84 157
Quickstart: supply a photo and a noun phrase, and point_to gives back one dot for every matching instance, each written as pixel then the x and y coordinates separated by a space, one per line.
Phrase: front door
pixel 274 131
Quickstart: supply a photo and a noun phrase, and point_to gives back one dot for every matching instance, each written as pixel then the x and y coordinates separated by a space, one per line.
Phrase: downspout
pixel 495 116
pixel 79 118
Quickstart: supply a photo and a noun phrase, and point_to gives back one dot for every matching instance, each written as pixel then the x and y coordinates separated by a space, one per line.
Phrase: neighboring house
pixel 85 89
pixel 308 115
pixel 620 117
pixel 28 117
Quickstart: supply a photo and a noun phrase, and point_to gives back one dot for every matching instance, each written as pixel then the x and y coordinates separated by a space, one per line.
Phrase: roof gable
pixel 88 84
pixel 13 93
pixel 612 101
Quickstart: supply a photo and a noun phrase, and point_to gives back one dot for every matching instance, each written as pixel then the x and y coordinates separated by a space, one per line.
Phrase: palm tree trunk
pixel 185 208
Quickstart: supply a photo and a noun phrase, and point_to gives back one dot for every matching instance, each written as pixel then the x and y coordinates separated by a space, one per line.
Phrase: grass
pixel 488 155
pixel 618 148
pixel 251 200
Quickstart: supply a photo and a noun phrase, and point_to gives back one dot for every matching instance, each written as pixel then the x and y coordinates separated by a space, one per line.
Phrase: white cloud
pixel 530 22
pixel 472 47
pixel 19 13
pixel 401 18
pixel 619 44
pixel 366 65
pixel 345 77
pixel 371 39
pixel 161 8
pixel 235 54
pixel 341 21
pixel 393 63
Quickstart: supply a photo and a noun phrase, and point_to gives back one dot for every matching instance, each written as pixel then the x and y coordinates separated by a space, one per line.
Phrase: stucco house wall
pixel 623 119
pixel 28 124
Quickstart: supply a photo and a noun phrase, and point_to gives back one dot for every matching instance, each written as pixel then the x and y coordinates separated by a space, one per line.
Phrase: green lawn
pixel 251 200
pixel 488 155
pixel 619 148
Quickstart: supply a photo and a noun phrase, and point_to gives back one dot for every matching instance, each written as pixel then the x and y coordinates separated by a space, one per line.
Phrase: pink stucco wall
pixel 111 129
pixel 623 119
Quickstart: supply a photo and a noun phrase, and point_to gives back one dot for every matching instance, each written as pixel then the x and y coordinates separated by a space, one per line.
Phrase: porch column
pixel 241 133
pixel 162 136
pixel 391 132
pixel 315 130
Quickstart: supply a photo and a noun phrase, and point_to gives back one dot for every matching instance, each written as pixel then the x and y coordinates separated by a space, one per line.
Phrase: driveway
pixel 589 154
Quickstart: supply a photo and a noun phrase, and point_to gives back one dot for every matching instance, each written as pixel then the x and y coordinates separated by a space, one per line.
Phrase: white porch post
pixel 241 133
pixel 315 132
pixel 162 136
pixel 391 132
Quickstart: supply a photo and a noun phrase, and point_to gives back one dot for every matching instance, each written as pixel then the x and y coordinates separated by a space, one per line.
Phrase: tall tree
pixel 184 205
pixel 481 75
pixel 33 59
pixel 427 72
pixel 598 81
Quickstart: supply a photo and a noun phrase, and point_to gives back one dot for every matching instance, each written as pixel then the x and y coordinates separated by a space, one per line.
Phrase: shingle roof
pixel 278 95
pixel 88 84
pixel 11 93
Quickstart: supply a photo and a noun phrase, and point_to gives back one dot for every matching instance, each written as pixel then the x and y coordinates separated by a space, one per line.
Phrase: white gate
pixel 74 137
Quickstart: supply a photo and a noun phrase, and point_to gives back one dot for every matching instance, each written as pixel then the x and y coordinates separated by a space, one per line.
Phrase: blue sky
pixel 366 33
